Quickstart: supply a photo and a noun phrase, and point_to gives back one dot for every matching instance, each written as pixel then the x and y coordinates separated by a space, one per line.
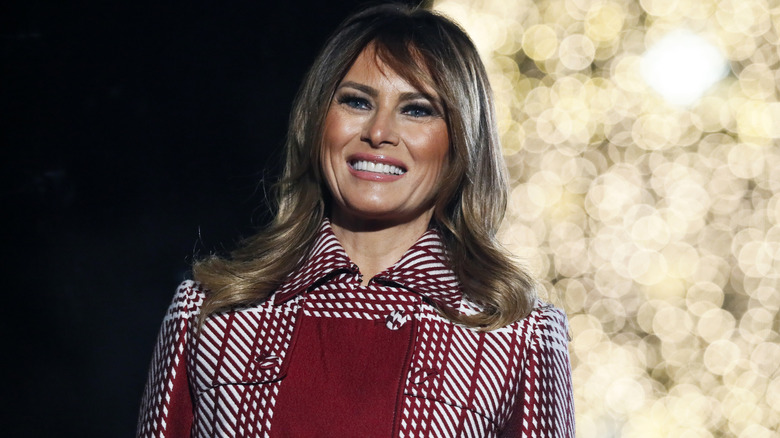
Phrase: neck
pixel 376 245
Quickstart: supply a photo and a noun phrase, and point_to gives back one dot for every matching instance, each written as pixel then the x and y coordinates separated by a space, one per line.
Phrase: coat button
pixel 266 362
pixel 396 319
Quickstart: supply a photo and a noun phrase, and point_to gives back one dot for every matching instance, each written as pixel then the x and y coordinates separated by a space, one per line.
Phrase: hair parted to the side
pixel 426 49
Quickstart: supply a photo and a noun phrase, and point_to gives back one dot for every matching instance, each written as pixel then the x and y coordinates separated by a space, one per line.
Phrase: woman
pixel 377 302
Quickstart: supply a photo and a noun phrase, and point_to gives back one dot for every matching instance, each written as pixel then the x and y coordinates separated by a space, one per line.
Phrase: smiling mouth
pixel 370 166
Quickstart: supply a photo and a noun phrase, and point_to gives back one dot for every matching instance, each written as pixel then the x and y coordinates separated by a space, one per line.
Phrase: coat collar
pixel 423 269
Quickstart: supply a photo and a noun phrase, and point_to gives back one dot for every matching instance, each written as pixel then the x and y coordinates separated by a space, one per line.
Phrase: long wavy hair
pixel 426 49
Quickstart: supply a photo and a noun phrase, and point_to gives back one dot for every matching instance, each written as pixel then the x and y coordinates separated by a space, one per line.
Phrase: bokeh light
pixel 682 66
pixel 652 219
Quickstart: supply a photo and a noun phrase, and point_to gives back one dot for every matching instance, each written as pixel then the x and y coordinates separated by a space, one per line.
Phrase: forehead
pixel 379 66
pixel 368 67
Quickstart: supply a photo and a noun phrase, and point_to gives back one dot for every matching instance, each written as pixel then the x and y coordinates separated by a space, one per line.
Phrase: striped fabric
pixel 428 377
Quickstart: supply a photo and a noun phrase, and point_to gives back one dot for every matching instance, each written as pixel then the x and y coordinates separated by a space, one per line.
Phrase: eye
pixel 355 102
pixel 418 110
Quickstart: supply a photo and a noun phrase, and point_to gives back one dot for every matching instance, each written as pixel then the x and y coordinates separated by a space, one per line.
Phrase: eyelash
pixel 412 110
pixel 353 101
pixel 416 107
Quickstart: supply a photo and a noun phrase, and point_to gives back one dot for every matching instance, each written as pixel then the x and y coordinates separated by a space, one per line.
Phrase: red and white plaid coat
pixel 325 356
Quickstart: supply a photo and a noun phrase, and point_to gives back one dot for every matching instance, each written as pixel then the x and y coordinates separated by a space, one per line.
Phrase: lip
pixel 377 159
pixel 372 176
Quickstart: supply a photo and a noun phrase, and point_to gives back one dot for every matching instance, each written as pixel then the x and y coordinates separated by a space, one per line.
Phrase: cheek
pixel 326 153
pixel 328 132
pixel 338 129
pixel 331 144
pixel 439 150
pixel 441 160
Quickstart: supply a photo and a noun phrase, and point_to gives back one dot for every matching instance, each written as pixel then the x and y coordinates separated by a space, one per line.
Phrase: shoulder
pixel 187 300
pixel 546 324
pixel 549 316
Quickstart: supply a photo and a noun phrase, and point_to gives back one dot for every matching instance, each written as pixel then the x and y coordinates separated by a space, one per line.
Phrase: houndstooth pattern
pixel 547 378
pixel 515 381
pixel 349 300
pixel 237 366
pixel 167 372
pixel 468 383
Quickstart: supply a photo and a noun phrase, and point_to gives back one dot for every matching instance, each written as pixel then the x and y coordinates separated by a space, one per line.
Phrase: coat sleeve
pixel 544 406
pixel 166 406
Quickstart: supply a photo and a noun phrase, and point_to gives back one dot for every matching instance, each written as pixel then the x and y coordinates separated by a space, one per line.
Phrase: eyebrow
pixel 409 95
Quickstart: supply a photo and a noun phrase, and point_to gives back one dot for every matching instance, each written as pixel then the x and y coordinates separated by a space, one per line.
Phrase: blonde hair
pixel 426 49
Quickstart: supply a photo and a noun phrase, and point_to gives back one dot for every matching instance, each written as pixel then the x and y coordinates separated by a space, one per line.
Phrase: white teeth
pixel 370 166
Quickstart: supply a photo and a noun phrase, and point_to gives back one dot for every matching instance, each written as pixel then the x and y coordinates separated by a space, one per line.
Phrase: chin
pixel 380 215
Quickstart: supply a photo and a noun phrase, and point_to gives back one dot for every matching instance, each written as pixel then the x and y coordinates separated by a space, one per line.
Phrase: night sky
pixel 134 137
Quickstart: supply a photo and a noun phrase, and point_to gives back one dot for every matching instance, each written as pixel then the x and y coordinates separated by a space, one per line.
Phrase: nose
pixel 380 130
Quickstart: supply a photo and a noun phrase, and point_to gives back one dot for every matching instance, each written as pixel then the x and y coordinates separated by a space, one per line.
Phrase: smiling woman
pixel 377 302
pixel 384 150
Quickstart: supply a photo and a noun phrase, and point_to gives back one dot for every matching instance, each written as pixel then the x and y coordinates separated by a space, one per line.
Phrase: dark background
pixel 134 136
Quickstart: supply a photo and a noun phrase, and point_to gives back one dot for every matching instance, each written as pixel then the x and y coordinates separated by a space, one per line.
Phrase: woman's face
pixel 385 145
